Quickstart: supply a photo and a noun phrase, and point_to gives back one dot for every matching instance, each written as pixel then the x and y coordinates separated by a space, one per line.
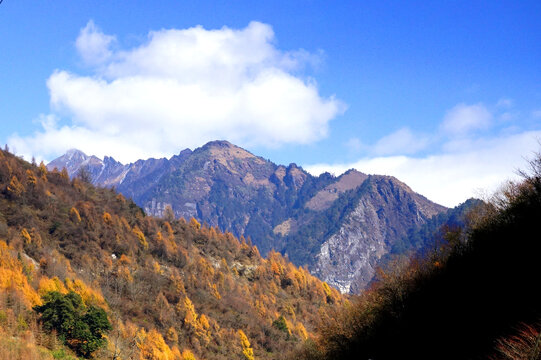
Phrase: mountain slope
pixel 385 210
pixel 311 219
pixel 166 285
pixel 473 296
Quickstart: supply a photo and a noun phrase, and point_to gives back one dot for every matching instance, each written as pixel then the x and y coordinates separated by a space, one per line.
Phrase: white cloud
pixel 93 45
pixel 464 118
pixel 451 177
pixel 402 141
pixel 181 89
pixel 465 164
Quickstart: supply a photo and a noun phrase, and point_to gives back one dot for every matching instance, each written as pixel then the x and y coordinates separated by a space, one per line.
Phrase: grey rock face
pixel 350 256
pixel 386 210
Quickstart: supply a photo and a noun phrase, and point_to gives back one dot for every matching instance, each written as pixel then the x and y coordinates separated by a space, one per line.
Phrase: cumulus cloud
pixel 464 118
pixel 93 45
pixel 182 88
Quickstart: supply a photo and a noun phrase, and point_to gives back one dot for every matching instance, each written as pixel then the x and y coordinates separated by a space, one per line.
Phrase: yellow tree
pixel 108 219
pixel 15 187
pixel 31 178
pixel 190 316
pixel 140 237
pixel 74 215
pixel 169 230
pixel 26 236
pixel 195 224
pixel 42 170
pixel 152 346
pixel 247 350
pixel 188 355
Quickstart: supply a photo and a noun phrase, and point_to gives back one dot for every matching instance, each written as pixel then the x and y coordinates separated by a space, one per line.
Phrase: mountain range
pixel 339 227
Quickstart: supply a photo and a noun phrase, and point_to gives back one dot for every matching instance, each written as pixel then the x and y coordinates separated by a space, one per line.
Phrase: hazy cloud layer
pixel 464 118
pixel 182 88
pixel 467 163
pixel 402 141
pixel 451 178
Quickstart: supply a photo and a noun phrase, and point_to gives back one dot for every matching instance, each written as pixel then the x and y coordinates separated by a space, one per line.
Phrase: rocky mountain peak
pixel 184 153
pixel 218 144
pixel 354 172
pixel 231 156
pixel 73 160
pixel 75 153
pixel 109 160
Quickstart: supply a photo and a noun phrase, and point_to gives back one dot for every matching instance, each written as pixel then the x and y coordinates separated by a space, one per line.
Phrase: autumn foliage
pixel 171 289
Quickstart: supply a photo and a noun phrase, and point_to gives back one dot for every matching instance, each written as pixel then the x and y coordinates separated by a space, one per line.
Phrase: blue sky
pixel 446 96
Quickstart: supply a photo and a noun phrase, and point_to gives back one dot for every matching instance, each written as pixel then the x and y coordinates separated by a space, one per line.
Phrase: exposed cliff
pixel 386 209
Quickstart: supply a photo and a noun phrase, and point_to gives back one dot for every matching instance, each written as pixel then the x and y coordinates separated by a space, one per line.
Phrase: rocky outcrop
pixel 327 196
pixel 387 208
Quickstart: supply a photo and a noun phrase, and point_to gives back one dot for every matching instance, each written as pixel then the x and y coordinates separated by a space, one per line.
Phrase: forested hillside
pixel 474 295
pixel 171 289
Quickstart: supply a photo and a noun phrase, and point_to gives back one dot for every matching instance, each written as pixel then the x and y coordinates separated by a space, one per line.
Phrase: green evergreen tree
pixel 80 327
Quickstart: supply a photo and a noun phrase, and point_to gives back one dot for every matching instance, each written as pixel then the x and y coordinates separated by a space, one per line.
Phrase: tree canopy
pixel 81 327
